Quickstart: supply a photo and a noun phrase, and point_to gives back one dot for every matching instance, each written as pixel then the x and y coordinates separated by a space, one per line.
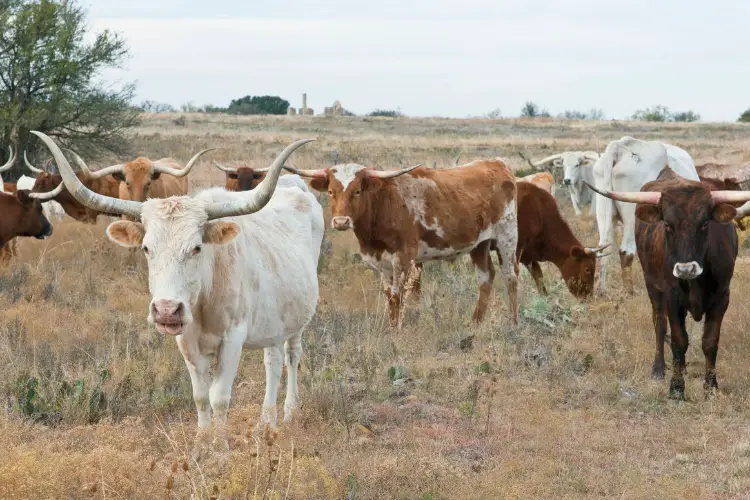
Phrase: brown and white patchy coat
pixel 418 214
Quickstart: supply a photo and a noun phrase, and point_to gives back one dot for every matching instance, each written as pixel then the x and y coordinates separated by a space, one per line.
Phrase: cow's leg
pixel 679 338
pixel 387 280
pixel 605 222
pixel 220 393
pixel 536 272
pixel 273 358
pixel 416 290
pixel 398 280
pixel 292 356
pixel 627 247
pixel 660 320
pixel 198 366
pixel 480 256
pixel 711 332
pixel 575 201
pixel 505 246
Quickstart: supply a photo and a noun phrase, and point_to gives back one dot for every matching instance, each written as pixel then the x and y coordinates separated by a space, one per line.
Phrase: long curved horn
pixel 261 170
pixel 10 162
pixel 96 174
pixel 535 164
pixel 597 249
pixel 389 174
pixel 49 194
pixel 590 156
pixel 730 196
pixel 98 202
pixel 320 173
pixel 30 166
pixel 181 172
pixel 249 202
pixel 223 168
pixel 648 197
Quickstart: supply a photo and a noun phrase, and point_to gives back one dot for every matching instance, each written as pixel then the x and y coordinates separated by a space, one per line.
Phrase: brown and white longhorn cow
pixel 417 214
pixel 242 178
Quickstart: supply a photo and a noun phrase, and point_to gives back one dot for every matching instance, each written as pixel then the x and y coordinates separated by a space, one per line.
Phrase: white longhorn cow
pixel 626 165
pixel 577 170
pixel 224 274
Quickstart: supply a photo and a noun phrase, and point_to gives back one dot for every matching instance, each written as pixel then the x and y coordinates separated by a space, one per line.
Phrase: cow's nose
pixel 687 271
pixel 167 311
pixel 566 182
pixel 341 223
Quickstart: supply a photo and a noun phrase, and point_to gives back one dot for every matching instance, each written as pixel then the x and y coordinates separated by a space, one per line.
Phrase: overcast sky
pixel 440 57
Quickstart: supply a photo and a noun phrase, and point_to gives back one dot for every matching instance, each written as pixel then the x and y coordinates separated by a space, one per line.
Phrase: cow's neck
pixel 559 246
pixel 379 228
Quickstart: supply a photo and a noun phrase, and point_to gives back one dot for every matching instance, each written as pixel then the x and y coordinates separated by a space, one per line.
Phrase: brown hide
pixel 543 180
pixel 21 215
pixel 9 187
pixel 138 181
pixel 106 186
pixel 245 179
pixel 544 236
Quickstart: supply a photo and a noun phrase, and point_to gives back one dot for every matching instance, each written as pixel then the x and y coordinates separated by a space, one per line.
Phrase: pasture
pixel 97 404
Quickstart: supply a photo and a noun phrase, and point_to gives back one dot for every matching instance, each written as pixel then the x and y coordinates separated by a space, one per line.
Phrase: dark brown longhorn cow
pixel 687 247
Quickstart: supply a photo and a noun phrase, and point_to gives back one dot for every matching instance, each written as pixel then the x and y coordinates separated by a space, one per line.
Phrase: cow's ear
pixel 23 197
pixel 155 176
pixel 319 184
pixel 220 232
pixel 126 233
pixel 578 252
pixel 232 175
pixel 119 177
pixel 724 212
pixel 650 214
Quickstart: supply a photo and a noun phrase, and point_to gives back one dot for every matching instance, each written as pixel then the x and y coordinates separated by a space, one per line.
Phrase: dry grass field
pixel 96 404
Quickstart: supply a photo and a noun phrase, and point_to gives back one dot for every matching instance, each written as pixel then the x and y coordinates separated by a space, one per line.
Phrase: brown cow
pixel 544 236
pixel 687 249
pixel 242 178
pixel 142 178
pixel 9 187
pixel 417 214
pixel 21 215
pixel 543 180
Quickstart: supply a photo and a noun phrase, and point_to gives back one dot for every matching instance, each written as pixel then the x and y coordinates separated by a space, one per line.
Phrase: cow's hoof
pixel 710 386
pixel 657 371
pixel 677 390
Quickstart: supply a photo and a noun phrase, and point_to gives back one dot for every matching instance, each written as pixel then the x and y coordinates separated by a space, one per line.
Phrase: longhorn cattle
pixel 577 169
pixel 246 178
pixel 47 180
pixel 52 209
pixel 9 164
pixel 10 187
pixel 626 165
pixel 687 247
pixel 544 236
pixel 223 275
pixel 21 215
pixel 543 180
pixel 142 178
pixel 417 214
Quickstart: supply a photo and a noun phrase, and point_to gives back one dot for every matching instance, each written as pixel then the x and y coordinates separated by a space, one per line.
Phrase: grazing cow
pixel 626 165
pixel 577 169
pixel 418 214
pixel 223 275
pixel 21 215
pixel 544 236
pixel 687 247
pixel 246 178
pixel 543 180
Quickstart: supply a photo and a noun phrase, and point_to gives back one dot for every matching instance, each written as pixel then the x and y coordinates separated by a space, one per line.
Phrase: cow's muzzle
pixel 566 182
pixel 341 223
pixel 46 231
pixel 168 316
pixel 688 271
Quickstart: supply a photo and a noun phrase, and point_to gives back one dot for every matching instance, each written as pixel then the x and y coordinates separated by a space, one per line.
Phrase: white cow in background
pixel 626 165
pixel 222 275
pixel 577 170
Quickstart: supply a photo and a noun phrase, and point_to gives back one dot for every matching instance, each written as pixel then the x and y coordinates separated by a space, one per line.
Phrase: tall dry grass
pixel 98 405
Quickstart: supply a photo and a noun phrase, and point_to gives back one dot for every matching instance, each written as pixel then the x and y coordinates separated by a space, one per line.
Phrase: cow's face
pixel 244 179
pixel 686 214
pixel 349 189
pixel 32 221
pixel 578 271
pixel 572 164
pixel 136 179
pixel 177 241
pixel 46 182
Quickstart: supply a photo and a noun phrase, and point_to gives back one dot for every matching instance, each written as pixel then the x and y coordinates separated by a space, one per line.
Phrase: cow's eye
pixel 668 227
pixel 145 249
pixel 704 226
pixel 197 250
pixel 357 192
pixel 330 192
pixel 127 183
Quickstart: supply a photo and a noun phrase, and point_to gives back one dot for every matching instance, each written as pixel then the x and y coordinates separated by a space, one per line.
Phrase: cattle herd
pixel 237 266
